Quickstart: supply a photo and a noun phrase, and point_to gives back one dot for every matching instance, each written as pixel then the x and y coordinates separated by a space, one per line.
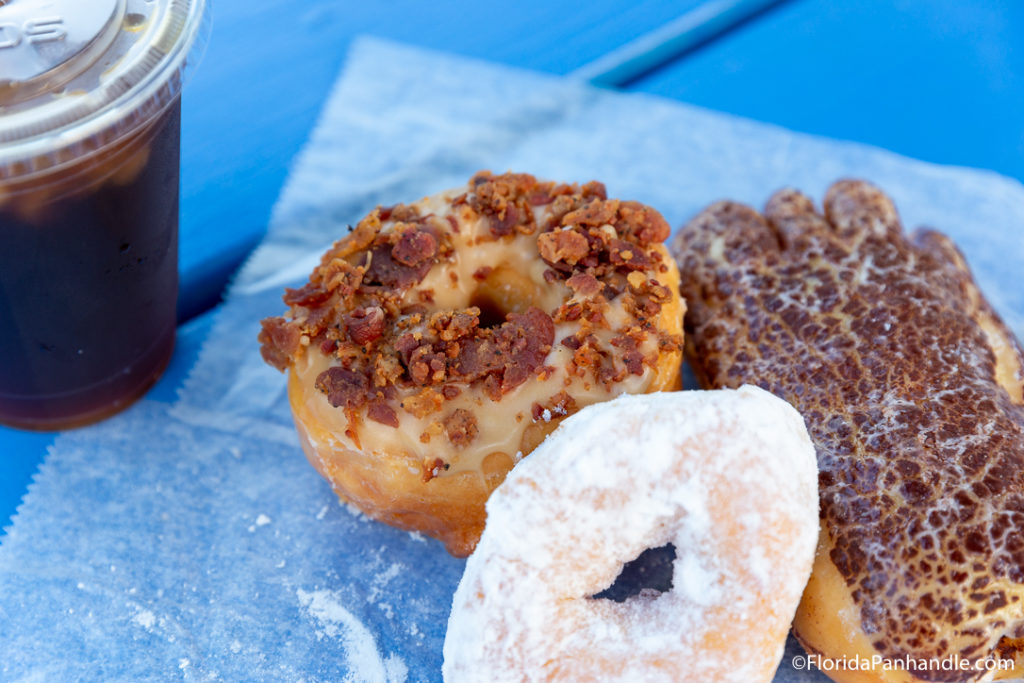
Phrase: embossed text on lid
pixel 45 43
pixel 79 75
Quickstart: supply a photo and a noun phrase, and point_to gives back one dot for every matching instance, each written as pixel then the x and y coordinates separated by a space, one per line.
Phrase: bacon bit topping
pixel 380 411
pixel 452 325
pixel 425 403
pixel 343 387
pixel 559 405
pixel 360 308
pixel 588 355
pixel 571 342
pixel 562 403
pixel 643 223
pixel 403 213
pixel 584 284
pixel 514 351
pixel 426 365
pixel 594 214
pixel 357 240
pixel 672 342
pixel 527 339
pixel 645 298
pixel 631 356
pixel 504 201
pixel 365 324
pixel 615 284
pixel 570 312
pixel 659 292
pixel 608 375
pixel 430 432
pixel 432 467
pixel 628 255
pixel 387 369
pixel 383 269
pixel 562 245
pixel 279 341
pixel 315 320
pixel 310 294
pixel 477 358
pixel 636 280
pixel 405 345
pixel 414 247
pixel 594 190
pixel 350 429
pixel 341 277
pixel 461 427
pixel 539 198
pixel 505 221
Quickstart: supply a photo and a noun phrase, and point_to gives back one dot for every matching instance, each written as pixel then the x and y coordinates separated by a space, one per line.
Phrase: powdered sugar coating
pixel 696 469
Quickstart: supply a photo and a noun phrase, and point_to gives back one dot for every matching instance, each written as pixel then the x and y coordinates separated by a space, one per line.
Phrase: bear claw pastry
pixel 911 387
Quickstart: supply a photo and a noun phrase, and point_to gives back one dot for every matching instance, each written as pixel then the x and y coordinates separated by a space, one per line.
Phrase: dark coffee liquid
pixel 88 285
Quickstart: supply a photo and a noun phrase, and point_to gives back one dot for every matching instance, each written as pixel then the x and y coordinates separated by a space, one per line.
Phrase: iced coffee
pixel 89 167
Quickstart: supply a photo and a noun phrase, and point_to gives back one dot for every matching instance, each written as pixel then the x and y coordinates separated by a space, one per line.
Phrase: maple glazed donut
pixel 441 341
pixel 728 477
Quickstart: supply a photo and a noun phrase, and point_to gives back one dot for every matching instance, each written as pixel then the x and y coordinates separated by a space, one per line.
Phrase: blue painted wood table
pixel 942 81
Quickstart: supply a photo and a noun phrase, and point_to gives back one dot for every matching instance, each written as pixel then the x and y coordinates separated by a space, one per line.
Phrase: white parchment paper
pixel 193 541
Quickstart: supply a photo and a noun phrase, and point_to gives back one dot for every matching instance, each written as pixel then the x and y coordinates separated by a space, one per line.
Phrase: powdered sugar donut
pixel 728 477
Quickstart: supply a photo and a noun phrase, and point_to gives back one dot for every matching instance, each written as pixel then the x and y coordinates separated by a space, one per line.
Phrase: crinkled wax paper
pixel 193 540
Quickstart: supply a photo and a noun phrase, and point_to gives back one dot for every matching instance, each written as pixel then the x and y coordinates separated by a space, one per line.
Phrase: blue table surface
pixel 940 81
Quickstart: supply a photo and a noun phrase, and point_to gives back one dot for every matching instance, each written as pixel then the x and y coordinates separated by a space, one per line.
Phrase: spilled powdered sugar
pixel 366 665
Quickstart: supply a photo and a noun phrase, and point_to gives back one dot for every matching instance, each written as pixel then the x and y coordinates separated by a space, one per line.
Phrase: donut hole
pixel 492 313
pixel 650 571
pixel 505 290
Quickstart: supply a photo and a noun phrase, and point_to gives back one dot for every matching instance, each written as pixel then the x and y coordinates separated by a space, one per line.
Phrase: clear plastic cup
pixel 90 111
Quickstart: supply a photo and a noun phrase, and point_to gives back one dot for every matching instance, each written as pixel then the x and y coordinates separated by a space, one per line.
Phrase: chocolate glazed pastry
pixel 911 388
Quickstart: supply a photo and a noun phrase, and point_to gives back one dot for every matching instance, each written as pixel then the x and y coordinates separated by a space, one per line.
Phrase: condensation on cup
pixel 90 111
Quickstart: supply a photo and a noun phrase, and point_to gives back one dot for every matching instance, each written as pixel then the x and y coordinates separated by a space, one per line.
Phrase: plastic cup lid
pixel 77 75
